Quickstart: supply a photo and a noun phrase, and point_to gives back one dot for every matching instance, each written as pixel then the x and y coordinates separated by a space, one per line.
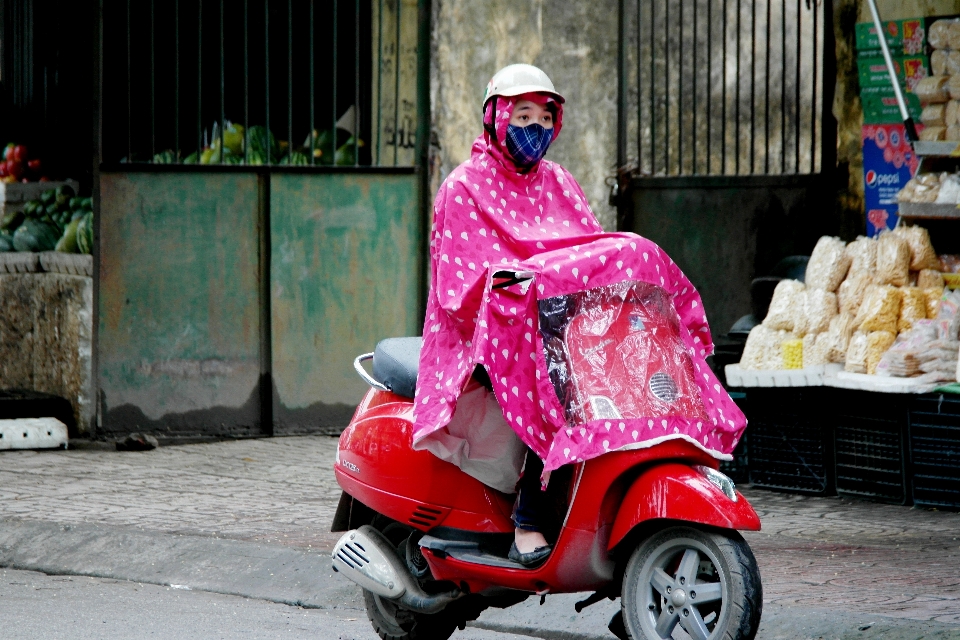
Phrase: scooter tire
pixel 657 596
pixel 393 623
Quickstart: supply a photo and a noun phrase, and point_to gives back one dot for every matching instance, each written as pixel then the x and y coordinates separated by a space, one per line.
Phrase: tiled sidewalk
pixel 817 553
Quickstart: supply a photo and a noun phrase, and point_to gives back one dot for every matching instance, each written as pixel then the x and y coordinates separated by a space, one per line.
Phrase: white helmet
pixel 516 79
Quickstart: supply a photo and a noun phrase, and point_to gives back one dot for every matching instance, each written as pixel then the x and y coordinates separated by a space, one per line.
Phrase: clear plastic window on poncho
pixel 616 352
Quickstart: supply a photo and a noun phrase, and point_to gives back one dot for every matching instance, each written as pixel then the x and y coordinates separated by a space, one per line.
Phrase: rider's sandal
pixel 532 559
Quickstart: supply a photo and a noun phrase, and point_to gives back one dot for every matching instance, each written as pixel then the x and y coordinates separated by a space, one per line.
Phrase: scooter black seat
pixel 395 362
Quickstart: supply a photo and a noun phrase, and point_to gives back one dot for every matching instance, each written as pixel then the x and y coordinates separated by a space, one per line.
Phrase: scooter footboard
pixel 675 491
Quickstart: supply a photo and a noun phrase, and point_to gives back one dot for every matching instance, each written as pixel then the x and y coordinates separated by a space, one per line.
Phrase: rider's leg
pixel 529 507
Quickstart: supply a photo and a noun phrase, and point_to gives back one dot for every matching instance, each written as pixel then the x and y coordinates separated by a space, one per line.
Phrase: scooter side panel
pixel 674 491
pixel 377 465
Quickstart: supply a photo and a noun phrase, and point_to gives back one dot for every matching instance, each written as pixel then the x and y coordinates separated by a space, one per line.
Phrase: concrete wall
pixel 46 321
pixel 574 42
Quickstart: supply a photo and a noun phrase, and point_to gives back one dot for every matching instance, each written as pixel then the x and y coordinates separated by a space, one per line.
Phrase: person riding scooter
pixel 512 229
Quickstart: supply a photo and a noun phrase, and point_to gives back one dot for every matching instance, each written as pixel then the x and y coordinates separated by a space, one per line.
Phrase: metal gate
pixel 727 143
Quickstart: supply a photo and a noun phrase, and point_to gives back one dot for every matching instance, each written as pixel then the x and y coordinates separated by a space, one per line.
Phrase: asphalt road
pixel 35 606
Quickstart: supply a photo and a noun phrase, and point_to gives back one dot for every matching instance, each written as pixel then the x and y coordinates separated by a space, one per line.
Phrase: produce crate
pixel 738 469
pixel 935 450
pixel 869 445
pixel 13 196
pixel 23 403
pixel 790 447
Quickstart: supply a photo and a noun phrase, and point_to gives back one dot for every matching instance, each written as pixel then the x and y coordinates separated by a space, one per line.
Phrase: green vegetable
pixel 6 242
pixel 190 159
pixel 48 196
pixel 295 158
pixel 31 207
pixel 88 204
pixel 34 235
pixel 68 242
pixel 345 154
pixel 263 143
pixel 165 157
pixel 85 233
pixel 66 191
pixel 12 220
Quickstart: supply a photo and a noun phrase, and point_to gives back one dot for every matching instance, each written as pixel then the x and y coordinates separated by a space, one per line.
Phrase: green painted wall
pixel 179 328
pixel 345 252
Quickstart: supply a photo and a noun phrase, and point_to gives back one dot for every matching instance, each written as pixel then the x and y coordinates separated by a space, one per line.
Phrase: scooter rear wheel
pixel 705 583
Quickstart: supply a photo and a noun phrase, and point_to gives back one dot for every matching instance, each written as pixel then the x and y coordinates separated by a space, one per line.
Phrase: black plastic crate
pixel 790 447
pixel 934 434
pixel 870 444
pixel 738 469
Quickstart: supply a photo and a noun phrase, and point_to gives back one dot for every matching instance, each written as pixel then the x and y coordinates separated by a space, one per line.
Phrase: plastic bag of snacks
pixel 819 308
pixel 930 278
pixel 880 309
pixel 814 350
pixel 922 188
pixel 837 337
pixel 863 256
pixel 856 360
pixel 792 353
pixel 922 255
pixel 785 306
pixel 950 263
pixel 934 115
pixel 933 295
pixel 851 292
pixel 902 359
pixel 939 34
pixel 913 307
pixel 949 182
pixel 762 350
pixel 893 260
pixel 933 89
pixel 933 134
pixel 877 344
pixel 828 264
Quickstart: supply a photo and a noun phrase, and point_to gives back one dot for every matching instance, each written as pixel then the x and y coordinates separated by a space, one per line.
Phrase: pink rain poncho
pixel 491 216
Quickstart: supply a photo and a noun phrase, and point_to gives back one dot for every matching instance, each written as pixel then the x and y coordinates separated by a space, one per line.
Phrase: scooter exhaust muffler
pixel 366 557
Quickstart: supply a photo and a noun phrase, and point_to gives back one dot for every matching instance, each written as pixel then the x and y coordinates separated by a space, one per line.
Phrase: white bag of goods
pixel 828 264
pixel 785 306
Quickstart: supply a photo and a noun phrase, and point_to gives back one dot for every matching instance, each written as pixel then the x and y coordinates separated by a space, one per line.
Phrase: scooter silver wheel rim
pixel 668 597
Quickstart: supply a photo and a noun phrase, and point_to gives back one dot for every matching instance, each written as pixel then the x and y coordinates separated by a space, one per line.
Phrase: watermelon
pixel 6 242
pixel 34 235
pixel 85 233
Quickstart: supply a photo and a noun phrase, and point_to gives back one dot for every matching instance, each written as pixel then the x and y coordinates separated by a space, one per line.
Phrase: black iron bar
pixel 199 79
pixel 723 96
pixel 783 87
pixel 129 92
pixel 680 91
pixel 153 84
pixel 356 85
pixel 246 81
pixel 313 106
pixel 290 82
pixel 223 88
pixel 709 82
pixel 266 83
pixel 753 82
pixel 176 78
pixel 736 102
pixel 333 132
pixel 396 88
pixel 653 99
pixel 379 77
pixel 813 99
pixel 696 72
pixel 666 85
pixel 766 99
pixel 639 103
pixel 796 117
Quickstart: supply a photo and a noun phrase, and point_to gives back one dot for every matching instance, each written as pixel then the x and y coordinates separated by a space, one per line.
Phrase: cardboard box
pixel 910 70
pixel 888 163
pixel 904 37
pixel 880 105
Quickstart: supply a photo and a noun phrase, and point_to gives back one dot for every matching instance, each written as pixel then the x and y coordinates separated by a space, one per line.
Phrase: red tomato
pixel 34 164
pixel 20 153
pixel 8 152
pixel 25 180
pixel 15 169
pixel 3 169
pixel 43 179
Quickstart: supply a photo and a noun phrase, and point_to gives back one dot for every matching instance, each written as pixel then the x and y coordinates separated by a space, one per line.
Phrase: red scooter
pixel 656 527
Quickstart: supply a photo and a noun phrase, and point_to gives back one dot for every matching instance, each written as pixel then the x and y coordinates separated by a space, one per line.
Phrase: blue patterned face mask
pixel 528 144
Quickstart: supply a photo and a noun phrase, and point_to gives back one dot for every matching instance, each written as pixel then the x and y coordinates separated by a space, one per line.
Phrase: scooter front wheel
pixel 705 583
